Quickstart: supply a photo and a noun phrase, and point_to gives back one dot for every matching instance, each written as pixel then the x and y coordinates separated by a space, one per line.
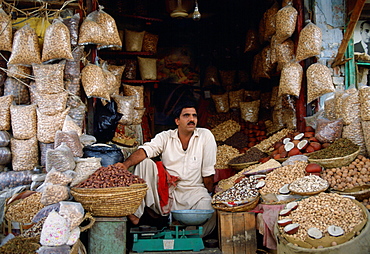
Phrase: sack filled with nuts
pixel 134 40
pixel 11 179
pixel 60 158
pixel 150 42
pixel 148 68
pixel 221 102
pixel 364 96
pixel 49 77
pixel 6 36
pixel 309 42
pixel 125 106
pixel 72 67
pixel 130 71
pixel 71 139
pixel 110 31
pixel 284 53
pixel 269 18
pixel 53 193
pixel 319 81
pixel 5 102
pixel 58 177
pixel 47 125
pixel 25 154
pixel 25 49
pixel 329 107
pixel 73 212
pixel 51 104
pixel 355 133
pixel 137 91
pixel 94 82
pixel 23 120
pixel 235 97
pixel 351 106
pixel 291 79
pixel 286 19
pixel 249 110
pixel 78 114
pixel 57 44
pixel 84 168
pixel 70 125
pixel 18 88
pixel 111 80
pixel 90 31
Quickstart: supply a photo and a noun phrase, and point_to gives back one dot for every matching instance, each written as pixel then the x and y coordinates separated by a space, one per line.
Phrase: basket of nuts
pixel 110 192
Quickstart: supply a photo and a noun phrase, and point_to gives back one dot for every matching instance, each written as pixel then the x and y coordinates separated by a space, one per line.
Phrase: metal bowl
pixel 194 217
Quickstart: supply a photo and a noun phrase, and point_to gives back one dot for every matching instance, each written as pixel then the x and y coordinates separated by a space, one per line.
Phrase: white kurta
pixel 190 166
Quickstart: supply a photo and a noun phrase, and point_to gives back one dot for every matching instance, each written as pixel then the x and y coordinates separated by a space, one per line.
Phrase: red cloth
pixel 164 181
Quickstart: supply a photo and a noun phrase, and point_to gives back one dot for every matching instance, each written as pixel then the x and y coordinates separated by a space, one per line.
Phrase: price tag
pixel 168 244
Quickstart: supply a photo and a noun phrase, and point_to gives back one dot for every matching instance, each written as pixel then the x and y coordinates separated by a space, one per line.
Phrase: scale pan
pixel 194 217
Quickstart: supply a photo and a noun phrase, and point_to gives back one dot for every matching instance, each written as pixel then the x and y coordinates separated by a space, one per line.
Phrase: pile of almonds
pixel 347 177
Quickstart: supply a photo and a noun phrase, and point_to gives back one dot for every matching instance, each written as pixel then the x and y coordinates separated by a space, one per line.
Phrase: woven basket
pixel 241 166
pixel 360 193
pixel 241 208
pixel 336 162
pixel 110 202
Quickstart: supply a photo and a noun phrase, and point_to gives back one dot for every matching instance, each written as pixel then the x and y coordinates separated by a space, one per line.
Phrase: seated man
pixel 188 155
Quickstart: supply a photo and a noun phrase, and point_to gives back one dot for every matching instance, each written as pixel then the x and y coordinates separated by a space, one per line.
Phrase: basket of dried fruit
pixel 251 156
pixel 341 153
pixel 308 185
pixel 237 208
pixel 359 192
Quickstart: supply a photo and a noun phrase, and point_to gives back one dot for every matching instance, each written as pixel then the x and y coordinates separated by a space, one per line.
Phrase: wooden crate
pixel 237 232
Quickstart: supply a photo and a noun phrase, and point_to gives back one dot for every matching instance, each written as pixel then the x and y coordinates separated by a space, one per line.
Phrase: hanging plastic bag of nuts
pixel 51 104
pixel 90 31
pixel 60 158
pixel 125 106
pixel 137 91
pixel 19 71
pixel 25 49
pixel 319 81
pixel 23 120
pixel 266 66
pixel 72 67
pixel 94 82
pixel 355 133
pixel 249 111
pixel 49 77
pixel 70 125
pixel 269 18
pixel 134 40
pixel 138 116
pixel 364 96
pixel 110 31
pixel 221 102
pixel 251 41
pixel 6 36
pixel 309 42
pixel 286 19
pixel 57 42
pixel 235 97
pixel 111 80
pixel 148 68
pixel 291 79
pixel 73 212
pixel 329 107
pixel 5 102
pixel 71 139
pixel 84 168
pixel 117 72
pixel 328 131
pixel 73 24
pixel 25 154
pixel 18 89
pixel 47 125
pixel 284 53
pixel 350 106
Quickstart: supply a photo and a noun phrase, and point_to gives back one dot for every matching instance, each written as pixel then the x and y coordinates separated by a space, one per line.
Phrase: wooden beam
pixel 349 32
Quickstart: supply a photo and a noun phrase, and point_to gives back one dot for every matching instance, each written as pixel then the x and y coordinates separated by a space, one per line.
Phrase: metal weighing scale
pixel 146 238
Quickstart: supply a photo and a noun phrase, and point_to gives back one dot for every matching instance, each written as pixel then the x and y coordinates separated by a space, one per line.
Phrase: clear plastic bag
pixel 148 68
pixel 284 53
pixel 13 179
pixel 354 133
pixel 312 120
pixel 73 24
pixel 329 107
pixel 130 71
pixel 43 149
pixel 90 31
pixel 94 83
pixel 309 42
pixel 23 120
pixel 249 111
pixel 57 42
pixel 110 31
pixel 364 96
pixel 4 138
pixel 55 231
pixel 49 77
pixel 286 19
pixel 137 91
pixel 235 97
pixel 47 126
pixel 70 125
pixel 25 48
pixel 150 42
pixel 328 131
pixel 84 168
pixel 138 115
pixel 111 81
pixel 78 114
pixel 51 104
pixel 5 155
pixel 60 158
pixel 44 212
pixel 291 79
pixel 25 154
pixel 53 193
pixel 63 249
pixel 269 18
pixel 58 177
pixel 72 68
pixel 71 139
pixel 74 236
pixel 125 106
pixel 19 90
pixel 6 36
pixel 366 132
pixel 73 212
pixel 319 81
pixel 134 40
pixel 19 71
pixel 350 106
pixel 221 102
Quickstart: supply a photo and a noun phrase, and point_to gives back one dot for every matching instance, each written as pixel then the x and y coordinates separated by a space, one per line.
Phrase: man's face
pixel 365 33
pixel 188 120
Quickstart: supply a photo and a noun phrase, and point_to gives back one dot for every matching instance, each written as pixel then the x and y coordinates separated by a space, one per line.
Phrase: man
pixel 362 46
pixel 188 153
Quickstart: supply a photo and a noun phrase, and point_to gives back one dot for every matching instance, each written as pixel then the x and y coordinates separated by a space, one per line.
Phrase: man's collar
pixel 175 134
pixel 364 45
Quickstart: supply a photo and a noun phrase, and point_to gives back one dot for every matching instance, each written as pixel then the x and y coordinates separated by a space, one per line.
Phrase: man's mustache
pixel 191 122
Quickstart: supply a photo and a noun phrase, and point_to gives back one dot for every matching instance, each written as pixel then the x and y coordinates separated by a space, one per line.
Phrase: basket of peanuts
pixel 110 191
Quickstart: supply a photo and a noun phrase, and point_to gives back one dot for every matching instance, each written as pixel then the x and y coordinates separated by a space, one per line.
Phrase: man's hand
pixel 208 183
